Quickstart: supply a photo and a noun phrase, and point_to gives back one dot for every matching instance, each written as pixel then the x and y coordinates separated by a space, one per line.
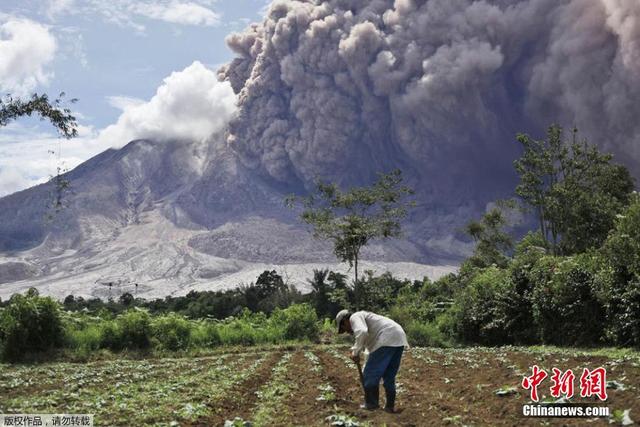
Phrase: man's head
pixel 342 321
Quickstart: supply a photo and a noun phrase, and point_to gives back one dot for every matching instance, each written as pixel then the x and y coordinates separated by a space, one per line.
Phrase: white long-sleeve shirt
pixel 373 331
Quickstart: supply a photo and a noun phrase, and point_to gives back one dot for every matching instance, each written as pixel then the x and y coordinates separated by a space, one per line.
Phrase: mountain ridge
pixel 171 216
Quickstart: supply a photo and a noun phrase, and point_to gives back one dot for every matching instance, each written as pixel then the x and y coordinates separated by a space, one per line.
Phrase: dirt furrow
pixel 241 398
pixel 312 399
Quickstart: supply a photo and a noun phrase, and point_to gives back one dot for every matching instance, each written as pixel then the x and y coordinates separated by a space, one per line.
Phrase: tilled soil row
pixel 303 406
pixel 437 388
pixel 349 394
pixel 242 397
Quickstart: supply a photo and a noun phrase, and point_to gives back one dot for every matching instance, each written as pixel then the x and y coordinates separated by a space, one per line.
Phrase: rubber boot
pixel 371 398
pixel 390 405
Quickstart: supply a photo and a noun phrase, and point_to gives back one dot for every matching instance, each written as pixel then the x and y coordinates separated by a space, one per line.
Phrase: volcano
pixel 164 218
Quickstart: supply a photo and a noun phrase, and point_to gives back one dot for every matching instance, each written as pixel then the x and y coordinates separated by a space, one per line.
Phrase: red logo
pixel 594 383
pixel 562 383
pixel 534 381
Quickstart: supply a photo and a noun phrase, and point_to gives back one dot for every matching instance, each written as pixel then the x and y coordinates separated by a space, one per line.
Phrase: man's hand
pixel 355 358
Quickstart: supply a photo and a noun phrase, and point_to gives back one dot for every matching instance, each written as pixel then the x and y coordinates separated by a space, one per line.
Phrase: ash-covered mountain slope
pixel 171 217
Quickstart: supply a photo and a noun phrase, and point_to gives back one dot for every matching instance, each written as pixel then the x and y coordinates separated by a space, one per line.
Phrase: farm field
pixel 308 385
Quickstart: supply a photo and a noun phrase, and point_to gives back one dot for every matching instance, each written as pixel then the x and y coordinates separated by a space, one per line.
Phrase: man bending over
pixel 385 340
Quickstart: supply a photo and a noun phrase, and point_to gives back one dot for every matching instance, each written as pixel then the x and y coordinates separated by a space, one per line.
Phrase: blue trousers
pixel 383 363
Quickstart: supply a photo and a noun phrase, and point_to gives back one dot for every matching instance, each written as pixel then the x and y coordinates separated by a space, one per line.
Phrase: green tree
pixel 574 189
pixel 351 219
pixel 268 293
pixel 492 241
pixel 54 111
pixel 30 324
pixel 621 255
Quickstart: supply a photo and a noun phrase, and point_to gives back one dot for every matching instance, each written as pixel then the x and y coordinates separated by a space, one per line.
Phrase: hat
pixel 341 315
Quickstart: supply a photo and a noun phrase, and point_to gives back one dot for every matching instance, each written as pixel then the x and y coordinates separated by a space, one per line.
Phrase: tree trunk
pixel 355 263
pixel 543 229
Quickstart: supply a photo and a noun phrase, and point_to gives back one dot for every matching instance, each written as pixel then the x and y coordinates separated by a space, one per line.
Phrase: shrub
pixel 30 324
pixel 205 334
pixel 626 326
pixel 377 293
pixel 86 339
pixel 130 330
pixel 566 308
pixel 426 335
pixel 135 329
pixel 414 305
pixel 296 322
pixel 516 301
pixel 477 312
pixel 621 272
pixel 237 332
pixel 172 331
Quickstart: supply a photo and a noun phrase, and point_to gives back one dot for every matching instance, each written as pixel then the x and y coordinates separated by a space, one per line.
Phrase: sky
pixel 133 65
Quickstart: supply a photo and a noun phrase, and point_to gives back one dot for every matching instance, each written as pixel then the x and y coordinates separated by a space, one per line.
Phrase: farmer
pixel 385 341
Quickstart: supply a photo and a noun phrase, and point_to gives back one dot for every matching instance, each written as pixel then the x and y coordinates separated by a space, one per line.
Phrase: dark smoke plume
pixel 342 89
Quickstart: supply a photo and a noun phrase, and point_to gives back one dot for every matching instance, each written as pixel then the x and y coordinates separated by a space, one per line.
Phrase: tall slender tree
pixel 351 219
pixel 575 190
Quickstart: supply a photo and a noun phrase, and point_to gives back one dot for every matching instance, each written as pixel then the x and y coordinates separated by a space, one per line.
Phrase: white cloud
pixel 124 102
pixel 190 105
pixel 11 179
pixel 72 45
pixel 26 48
pixel 26 157
pixel 126 12
pixel 57 7
pixel 186 13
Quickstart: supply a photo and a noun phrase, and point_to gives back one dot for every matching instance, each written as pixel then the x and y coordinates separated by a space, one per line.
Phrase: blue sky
pixel 112 55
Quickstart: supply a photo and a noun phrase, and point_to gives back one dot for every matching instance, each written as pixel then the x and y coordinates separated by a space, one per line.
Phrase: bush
pixel 30 324
pixel 566 308
pixel 86 339
pixel 621 274
pixel 130 330
pixel 206 334
pixel 172 331
pixel 516 301
pixel 238 332
pixel 377 293
pixel 297 322
pixel 426 335
pixel 624 323
pixel 478 314
pixel 135 329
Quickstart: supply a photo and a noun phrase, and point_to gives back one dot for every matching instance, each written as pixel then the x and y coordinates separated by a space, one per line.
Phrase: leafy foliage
pixel 30 324
pixel 574 190
pixel 492 241
pixel 172 331
pixel 565 303
pixel 351 219
pixel 621 257
pixel 297 322
pixel 54 111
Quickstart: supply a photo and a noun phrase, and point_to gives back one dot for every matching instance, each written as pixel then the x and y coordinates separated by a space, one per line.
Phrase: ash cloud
pixel 342 89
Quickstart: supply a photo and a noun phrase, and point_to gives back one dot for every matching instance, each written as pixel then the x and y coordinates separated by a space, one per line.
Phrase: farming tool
pixel 360 373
